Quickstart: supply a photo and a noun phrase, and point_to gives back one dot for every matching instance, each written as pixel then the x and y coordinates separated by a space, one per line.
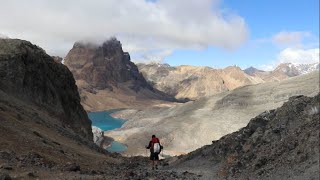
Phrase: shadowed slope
pixel 277 144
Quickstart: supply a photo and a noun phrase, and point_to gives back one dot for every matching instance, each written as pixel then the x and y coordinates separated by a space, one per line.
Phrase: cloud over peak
pixel 142 26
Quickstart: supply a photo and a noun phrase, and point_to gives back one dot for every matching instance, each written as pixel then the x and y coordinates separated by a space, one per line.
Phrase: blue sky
pixel 215 33
pixel 264 19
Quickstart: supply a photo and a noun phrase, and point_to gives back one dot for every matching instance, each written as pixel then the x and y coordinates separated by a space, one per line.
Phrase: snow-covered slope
pixel 283 71
pixel 306 68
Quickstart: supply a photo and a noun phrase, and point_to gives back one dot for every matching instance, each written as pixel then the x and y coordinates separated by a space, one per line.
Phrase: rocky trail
pixel 35 166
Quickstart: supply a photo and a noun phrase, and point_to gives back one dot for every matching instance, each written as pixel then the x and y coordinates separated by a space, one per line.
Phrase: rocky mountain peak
pixel 105 71
pixel 112 45
pixel 104 66
pixel 287 68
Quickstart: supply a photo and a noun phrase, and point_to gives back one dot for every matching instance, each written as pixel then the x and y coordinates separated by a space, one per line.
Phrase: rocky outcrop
pixel 105 73
pixel 190 82
pixel 29 74
pixel 277 144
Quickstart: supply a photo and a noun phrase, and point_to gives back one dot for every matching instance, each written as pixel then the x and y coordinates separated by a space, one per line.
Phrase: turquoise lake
pixel 104 121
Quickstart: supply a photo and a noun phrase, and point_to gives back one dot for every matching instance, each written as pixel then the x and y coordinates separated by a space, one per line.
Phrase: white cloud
pixel 299 56
pixel 297 47
pixel 142 26
pixel 294 56
pixel 291 39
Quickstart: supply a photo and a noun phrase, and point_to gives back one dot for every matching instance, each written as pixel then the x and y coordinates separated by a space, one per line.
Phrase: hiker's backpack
pixel 156 145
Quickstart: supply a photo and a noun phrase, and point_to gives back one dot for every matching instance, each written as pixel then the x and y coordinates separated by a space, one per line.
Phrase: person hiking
pixel 155 149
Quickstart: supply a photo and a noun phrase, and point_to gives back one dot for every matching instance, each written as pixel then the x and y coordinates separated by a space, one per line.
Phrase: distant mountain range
pixel 191 82
pixel 282 71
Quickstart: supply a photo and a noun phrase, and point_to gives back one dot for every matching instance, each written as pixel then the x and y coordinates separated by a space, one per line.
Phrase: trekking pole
pixel 162 152
pixel 163 149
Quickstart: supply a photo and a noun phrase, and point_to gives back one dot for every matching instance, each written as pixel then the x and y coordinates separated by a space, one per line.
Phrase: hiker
pixel 155 149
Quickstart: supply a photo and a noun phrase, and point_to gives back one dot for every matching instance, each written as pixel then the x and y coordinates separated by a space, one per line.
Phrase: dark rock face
pixel 28 73
pixel 277 144
pixel 104 66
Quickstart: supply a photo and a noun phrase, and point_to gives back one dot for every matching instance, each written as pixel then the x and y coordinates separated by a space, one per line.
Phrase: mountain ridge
pixel 191 82
pixel 194 82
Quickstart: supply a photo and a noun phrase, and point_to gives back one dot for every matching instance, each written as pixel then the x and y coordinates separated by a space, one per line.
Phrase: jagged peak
pixel 112 41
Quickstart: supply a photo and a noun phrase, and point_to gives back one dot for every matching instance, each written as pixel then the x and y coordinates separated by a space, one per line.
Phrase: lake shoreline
pixel 106 122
